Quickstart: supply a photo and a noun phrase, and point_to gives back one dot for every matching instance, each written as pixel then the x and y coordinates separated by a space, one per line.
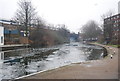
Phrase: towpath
pixel 105 68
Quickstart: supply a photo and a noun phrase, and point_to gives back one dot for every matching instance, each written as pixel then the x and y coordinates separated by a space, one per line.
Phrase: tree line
pixel 36 29
pixel 92 31
pixel 42 34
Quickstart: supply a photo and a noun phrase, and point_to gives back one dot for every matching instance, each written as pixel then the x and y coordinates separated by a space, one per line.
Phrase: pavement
pixel 105 68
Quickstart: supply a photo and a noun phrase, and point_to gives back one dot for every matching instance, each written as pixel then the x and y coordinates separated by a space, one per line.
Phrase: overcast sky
pixel 73 13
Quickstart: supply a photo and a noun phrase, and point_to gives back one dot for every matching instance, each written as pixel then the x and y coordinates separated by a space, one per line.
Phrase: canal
pixel 21 62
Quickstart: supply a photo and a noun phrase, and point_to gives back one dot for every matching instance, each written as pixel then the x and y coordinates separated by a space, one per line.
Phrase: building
pixel 74 37
pixel 1 35
pixel 112 29
pixel 13 34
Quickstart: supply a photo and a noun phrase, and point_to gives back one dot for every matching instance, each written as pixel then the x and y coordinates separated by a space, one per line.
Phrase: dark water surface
pixel 22 62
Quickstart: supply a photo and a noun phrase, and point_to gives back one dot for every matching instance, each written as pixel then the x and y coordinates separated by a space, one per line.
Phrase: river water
pixel 34 60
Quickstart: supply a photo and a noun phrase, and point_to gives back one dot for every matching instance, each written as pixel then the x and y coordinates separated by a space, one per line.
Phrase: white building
pixel 1 35
pixel 119 7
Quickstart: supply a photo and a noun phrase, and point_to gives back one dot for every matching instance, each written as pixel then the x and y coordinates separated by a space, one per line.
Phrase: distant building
pixel 74 37
pixel 112 29
pixel 1 35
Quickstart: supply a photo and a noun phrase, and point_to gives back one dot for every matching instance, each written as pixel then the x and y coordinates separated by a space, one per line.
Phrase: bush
pixel 46 37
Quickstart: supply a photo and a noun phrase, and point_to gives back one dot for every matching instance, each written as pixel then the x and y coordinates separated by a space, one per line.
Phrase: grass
pixel 117 46
pixel 114 45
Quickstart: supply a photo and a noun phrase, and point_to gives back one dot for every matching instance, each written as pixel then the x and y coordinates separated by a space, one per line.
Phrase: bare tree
pixel 107 14
pixel 107 29
pixel 25 14
pixel 39 22
pixel 90 30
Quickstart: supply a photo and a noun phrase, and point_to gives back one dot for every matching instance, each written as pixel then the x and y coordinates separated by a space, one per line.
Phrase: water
pixel 35 60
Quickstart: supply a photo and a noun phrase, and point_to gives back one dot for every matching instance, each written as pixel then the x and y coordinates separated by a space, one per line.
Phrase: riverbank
pixel 106 68
pixel 13 47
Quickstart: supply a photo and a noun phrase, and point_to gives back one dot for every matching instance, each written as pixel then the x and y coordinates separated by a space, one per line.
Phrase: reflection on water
pixel 22 62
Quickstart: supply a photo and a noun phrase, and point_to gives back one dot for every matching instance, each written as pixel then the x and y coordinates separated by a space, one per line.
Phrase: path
pixel 106 68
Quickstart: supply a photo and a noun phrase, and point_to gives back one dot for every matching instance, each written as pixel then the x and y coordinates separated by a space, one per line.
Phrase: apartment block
pixel 112 29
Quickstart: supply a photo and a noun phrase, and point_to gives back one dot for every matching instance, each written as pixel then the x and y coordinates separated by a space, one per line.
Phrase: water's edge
pixel 105 54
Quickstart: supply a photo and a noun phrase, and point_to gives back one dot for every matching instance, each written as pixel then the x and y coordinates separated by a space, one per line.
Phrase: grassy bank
pixel 117 46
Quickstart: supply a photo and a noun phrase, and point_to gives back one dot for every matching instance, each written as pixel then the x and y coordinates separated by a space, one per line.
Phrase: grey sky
pixel 73 13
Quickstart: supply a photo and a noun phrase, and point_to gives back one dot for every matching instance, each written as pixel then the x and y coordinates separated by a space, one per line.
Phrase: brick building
pixel 12 33
pixel 112 29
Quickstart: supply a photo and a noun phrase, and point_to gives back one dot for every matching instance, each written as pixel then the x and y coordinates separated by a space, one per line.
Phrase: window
pixel 114 25
pixel 118 16
pixel 1 39
pixel 117 21
pixel 117 25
